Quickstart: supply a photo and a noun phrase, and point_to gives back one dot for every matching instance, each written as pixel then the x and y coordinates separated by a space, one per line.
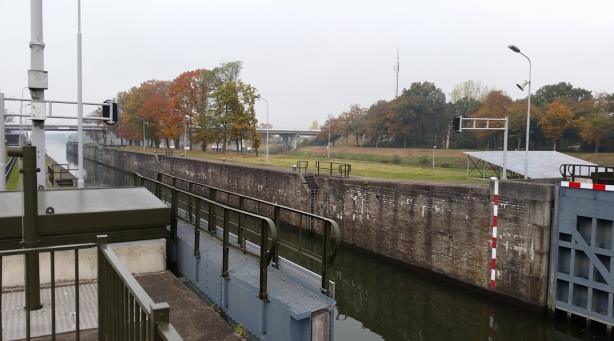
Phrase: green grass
pixel 361 168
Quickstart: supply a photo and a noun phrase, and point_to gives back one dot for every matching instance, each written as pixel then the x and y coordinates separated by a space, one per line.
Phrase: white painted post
pixel 37 90
pixel 2 145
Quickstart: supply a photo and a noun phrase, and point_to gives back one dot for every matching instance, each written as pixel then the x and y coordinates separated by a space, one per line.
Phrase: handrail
pixel 129 313
pixel 302 165
pixel 267 227
pixel 574 171
pixel 344 169
pixel 331 228
pixel 125 310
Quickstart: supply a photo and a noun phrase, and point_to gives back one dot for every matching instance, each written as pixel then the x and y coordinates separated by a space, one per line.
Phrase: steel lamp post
pixel 521 87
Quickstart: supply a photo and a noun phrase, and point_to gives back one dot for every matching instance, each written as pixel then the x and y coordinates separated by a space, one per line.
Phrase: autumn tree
pixel 354 123
pixel 495 105
pixel 379 122
pixel 557 117
pixel 469 89
pixel 562 90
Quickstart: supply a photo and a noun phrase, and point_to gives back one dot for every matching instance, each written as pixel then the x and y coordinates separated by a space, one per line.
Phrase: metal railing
pixel 329 229
pixel 597 173
pixel 119 297
pixel 60 173
pixel 198 209
pixel 334 168
pixel 302 166
pixel 128 313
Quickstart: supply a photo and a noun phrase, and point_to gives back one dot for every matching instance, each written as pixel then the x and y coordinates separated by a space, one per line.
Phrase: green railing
pixel 205 209
pixel 125 310
pixel 329 229
pixel 334 168
pixel 128 313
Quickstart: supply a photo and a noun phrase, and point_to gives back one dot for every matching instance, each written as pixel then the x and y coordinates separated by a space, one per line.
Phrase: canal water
pixel 380 300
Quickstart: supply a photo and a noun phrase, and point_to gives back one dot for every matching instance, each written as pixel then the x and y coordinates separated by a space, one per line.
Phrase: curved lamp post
pixel 521 87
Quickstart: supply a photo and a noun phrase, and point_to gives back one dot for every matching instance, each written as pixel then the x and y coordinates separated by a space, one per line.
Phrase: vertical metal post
pixel 36 76
pixel 225 247
pixel 52 289
pixel 211 220
pixel 80 171
pixel 174 209
pixel 240 234
pixel 189 202
pixel 325 239
pixel 264 238
pixel 77 332
pixel 2 145
pixel 197 230
pixel 159 314
pixel 277 219
pixel 30 221
pixel 505 132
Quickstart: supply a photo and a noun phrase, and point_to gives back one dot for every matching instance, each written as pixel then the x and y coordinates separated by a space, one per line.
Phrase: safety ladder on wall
pixel 313 189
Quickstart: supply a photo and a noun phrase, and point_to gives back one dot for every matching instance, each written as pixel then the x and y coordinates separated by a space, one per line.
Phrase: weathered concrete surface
pixel 139 257
pixel 442 228
pixel 191 317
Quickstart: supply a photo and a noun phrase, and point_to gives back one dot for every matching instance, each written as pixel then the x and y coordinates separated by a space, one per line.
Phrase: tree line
pixel 563 117
pixel 216 106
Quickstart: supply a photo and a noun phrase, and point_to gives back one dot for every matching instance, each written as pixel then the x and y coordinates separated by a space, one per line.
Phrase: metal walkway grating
pixel 14 316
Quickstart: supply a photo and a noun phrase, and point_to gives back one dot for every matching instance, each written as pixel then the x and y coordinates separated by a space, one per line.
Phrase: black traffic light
pixel 456 124
pixel 110 111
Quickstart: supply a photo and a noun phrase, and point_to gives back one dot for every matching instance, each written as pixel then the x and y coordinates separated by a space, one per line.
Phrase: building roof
pixel 542 164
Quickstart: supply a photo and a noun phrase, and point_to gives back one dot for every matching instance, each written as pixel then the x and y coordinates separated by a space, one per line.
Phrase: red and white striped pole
pixel 493 244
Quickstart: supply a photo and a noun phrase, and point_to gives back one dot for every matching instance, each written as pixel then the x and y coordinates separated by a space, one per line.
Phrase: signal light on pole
pixel 110 112
pixel 456 124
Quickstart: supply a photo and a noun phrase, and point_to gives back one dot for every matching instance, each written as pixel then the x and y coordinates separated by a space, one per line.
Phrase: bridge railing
pixel 318 256
pixel 125 310
pixel 197 209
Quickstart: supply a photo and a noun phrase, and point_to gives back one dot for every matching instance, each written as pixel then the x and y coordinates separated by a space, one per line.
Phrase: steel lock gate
pixel 582 252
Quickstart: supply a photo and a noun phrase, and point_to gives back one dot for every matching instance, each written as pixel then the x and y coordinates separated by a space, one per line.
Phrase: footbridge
pixel 257 261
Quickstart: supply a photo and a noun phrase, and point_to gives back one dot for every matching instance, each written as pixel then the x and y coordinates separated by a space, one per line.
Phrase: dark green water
pixel 379 300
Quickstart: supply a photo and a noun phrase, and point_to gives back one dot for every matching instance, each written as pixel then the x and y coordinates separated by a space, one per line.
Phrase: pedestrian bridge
pixel 236 251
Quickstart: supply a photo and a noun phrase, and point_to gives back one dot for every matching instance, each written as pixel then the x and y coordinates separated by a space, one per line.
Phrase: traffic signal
pixel 456 123
pixel 110 111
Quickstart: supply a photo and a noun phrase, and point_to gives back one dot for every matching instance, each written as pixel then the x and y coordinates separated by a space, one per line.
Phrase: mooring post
pixel 30 221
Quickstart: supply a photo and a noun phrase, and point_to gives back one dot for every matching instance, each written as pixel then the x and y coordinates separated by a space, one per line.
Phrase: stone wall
pixel 438 227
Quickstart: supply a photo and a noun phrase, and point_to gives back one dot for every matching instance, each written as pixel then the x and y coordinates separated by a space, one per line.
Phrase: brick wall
pixel 439 227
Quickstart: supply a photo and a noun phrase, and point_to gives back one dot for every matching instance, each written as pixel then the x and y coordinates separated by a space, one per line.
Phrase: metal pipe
pixel 2 145
pixel 80 173
pixel 29 222
pixel 37 64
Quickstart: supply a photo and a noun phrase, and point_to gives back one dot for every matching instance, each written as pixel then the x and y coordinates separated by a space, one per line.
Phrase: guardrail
pixel 197 207
pixel 128 313
pixel 331 234
pixel 302 166
pixel 343 169
pixel 598 174
pixel 125 310
pixel 9 167
pixel 60 173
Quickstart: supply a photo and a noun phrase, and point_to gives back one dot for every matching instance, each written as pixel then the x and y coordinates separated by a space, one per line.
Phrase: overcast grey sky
pixel 313 58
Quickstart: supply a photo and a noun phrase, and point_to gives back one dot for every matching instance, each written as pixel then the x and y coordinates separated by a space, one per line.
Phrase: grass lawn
pixel 359 168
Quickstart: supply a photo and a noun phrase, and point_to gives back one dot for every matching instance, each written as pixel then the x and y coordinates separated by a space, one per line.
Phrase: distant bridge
pixel 94 127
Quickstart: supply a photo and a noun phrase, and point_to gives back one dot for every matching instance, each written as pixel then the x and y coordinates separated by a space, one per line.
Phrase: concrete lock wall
pixel 442 228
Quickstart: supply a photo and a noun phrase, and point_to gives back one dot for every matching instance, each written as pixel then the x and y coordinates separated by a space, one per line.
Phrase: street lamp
pixel 185 132
pixel 521 87
pixel 267 127
pixel 142 119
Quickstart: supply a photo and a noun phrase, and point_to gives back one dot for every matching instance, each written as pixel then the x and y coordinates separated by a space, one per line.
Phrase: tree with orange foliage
pixel 556 119
pixel 188 96
pixel 496 105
